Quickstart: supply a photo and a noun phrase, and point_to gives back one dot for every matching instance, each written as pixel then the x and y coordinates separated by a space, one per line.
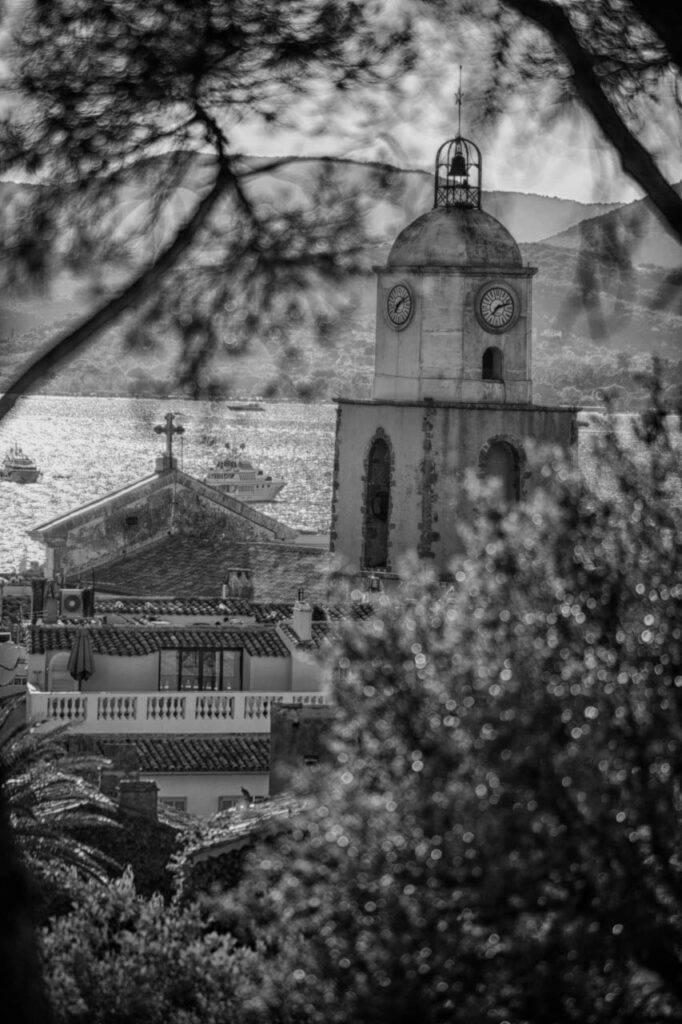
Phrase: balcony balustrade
pixel 237 712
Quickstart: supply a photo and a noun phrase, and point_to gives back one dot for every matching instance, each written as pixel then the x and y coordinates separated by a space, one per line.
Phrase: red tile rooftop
pixel 196 566
pixel 154 753
pixel 206 607
pixel 128 641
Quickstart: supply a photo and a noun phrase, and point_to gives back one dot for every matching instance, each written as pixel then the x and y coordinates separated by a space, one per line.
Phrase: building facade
pixel 452 389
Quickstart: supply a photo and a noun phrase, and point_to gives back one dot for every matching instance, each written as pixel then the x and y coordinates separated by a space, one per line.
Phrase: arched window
pixel 377 499
pixel 502 463
pixel 492 364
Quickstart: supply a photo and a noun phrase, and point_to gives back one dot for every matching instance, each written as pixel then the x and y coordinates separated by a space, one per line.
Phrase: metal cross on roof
pixel 169 430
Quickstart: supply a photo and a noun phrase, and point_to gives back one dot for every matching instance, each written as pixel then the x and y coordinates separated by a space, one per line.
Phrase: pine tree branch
pixel 634 157
pixel 128 298
pixel 666 21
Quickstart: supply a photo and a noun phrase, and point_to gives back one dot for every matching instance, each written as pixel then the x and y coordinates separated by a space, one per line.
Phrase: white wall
pixel 271 674
pixel 123 675
pixel 202 790
pixel 307 673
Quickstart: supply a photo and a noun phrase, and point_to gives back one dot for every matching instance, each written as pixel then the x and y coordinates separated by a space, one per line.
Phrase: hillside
pixel 593 302
pixel 631 309
pixel 632 232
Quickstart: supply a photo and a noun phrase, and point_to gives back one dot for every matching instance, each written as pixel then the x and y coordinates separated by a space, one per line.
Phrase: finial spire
pixel 458 167
pixel 458 101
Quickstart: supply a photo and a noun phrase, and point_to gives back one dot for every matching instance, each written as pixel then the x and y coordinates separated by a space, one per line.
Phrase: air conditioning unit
pixel 72 604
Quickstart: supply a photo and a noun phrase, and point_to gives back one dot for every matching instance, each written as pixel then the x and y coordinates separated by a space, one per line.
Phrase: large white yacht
pixel 18 467
pixel 236 475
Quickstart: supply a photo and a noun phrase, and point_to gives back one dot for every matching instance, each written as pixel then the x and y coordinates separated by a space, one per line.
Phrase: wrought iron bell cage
pixel 458 174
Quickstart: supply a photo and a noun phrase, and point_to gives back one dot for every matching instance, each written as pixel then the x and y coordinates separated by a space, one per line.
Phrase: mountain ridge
pixel 581 295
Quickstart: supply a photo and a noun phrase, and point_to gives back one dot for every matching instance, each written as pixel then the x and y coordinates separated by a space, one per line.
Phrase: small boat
pixel 236 475
pixel 18 467
pixel 246 407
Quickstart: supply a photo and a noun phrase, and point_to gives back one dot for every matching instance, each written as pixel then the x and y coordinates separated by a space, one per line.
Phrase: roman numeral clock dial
pixel 399 305
pixel 497 308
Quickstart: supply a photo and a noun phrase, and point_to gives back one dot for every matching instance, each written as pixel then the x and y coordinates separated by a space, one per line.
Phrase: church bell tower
pixel 452 388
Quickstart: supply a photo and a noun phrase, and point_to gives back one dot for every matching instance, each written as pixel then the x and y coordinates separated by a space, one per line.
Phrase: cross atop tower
pixel 167 461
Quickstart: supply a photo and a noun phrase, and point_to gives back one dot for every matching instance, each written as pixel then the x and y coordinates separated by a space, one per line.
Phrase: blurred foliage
pixel 129 122
pixel 620 60
pixel 497 838
pixel 124 115
pixel 545 63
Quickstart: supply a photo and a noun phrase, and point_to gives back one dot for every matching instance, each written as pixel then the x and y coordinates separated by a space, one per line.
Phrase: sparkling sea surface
pixel 89 447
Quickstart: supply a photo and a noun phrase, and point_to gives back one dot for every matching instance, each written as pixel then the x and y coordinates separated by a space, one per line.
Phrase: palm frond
pixel 51 804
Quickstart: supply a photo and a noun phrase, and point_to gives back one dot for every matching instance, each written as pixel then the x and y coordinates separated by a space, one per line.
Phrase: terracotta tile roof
pixel 126 641
pixel 197 566
pixel 206 607
pixel 236 753
pixel 354 611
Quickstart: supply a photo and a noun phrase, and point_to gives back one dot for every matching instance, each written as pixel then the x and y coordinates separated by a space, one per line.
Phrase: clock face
pixel 399 305
pixel 497 308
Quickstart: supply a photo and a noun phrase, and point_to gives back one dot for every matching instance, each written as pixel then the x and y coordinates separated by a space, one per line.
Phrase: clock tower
pixel 452 388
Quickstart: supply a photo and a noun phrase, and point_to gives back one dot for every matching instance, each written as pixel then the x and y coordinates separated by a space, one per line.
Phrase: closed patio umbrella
pixel 81 663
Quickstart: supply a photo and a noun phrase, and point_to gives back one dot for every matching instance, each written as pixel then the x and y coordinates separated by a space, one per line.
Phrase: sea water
pixel 87 448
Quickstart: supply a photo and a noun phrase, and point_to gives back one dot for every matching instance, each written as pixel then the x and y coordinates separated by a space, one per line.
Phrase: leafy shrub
pixel 498 836
pixel 119 958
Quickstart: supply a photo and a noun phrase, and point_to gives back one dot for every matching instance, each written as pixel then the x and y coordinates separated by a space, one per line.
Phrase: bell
pixel 458 167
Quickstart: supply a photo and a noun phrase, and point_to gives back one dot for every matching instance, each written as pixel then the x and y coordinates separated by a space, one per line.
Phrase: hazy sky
pixel 570 162
pixel 531 150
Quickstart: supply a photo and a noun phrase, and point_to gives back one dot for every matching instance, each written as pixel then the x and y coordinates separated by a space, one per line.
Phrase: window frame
pixel 218 675
pixel 174 803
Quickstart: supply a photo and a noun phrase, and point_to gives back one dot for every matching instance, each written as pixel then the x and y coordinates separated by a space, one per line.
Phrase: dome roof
pixel 453 237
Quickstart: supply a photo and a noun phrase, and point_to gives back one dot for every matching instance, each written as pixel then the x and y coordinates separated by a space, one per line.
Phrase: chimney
pixel 372 590
pixel 239 583
pixel 302 618
pixel 138 795
pixel 38 594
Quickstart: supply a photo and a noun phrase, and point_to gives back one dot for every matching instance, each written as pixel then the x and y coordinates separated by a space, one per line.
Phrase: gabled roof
pixel 141 489
pixel 239 752
pixel 197 566
pixel 128 641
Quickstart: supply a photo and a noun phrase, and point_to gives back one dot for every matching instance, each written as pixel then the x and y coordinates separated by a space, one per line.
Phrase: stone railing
pixel 216 712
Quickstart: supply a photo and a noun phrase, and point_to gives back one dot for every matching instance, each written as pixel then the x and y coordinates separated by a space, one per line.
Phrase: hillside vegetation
pixel 605 300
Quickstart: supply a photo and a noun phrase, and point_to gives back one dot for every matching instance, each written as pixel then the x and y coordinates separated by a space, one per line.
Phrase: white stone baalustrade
pixel 168 713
